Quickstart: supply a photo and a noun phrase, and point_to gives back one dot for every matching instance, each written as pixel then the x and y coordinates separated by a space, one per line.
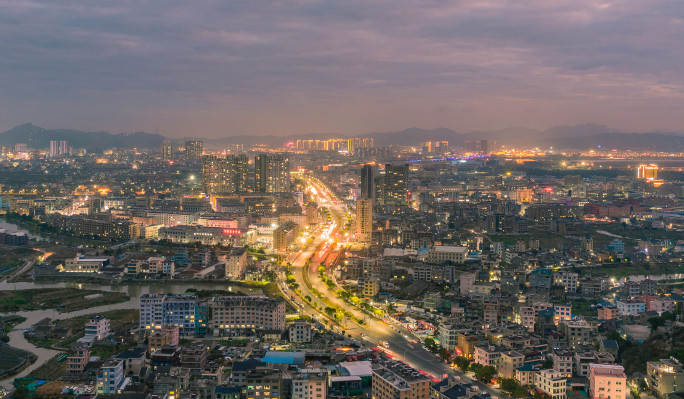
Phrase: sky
pixel 231 67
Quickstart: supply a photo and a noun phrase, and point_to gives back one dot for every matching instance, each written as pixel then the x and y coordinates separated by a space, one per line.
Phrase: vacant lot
pixel 64 299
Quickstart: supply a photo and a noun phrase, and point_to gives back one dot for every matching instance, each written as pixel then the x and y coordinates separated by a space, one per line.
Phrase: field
pixel 64 299
pixel 624 270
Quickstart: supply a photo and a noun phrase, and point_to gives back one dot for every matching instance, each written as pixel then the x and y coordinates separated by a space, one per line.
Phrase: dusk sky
pixel 230 67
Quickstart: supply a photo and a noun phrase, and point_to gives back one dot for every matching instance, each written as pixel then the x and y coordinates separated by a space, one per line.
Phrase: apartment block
pixel 665 377
pixel 607 381
pixel 551 382
pixel 248 312
pixel 392 380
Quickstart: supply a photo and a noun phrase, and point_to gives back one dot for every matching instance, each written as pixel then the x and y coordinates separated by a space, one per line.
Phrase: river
pixel 134 291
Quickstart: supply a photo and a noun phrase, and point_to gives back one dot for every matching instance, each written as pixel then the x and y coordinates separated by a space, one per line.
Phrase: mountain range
pixel 578 137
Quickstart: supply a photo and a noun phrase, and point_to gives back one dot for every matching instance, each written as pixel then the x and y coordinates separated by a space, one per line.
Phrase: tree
pixel 431 344
pixel 541 395
pixel 485 374
pixel 548 363
pixel 508 384
pixel 445 355
pixel 656 322
pixel 521 392
pixel 462 363
pixel 474 367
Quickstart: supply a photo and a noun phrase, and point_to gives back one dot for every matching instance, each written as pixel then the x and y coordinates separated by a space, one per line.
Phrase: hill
pixel 38 137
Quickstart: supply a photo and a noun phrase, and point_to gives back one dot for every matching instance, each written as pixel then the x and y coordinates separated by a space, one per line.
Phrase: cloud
pixel 217 68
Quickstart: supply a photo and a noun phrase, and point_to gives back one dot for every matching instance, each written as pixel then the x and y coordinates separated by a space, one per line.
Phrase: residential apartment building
pixel 97 327
pixel 665 377
pixel 77 361
pixel 509 361
pixel 551 382
pixel 608 312
pixel 310 384
pixel 526 318
pixel 235 262
pixel 248 312
pixel 488 355
pixel 110 376
pixel 285 235
pixel 442 253
pixel 448 336
pixel 607 381
pixel 397 380
pixel 562 362
pixel 561 313
pixel 569 280
pixel 583 361
pixel 364 219
pixel 578 332
pixel 630 307
pixel 300 331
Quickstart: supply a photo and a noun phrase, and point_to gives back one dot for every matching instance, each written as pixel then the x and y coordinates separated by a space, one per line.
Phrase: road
pixel 25 267
pixel 400 340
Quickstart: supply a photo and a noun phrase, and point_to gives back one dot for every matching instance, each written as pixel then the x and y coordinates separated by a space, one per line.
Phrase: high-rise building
pixel 470 146
pixel 648 172
pixel 58 147
pixel 394 185
pixel 167 150
pixel 271 174
pixel 364 219
pixel 20 147
pixel 368 182
pixel 483 146
pixel 193 150
pixel 224 174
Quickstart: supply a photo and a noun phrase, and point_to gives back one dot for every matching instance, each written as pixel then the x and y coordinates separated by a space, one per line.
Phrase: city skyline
pixel 311 67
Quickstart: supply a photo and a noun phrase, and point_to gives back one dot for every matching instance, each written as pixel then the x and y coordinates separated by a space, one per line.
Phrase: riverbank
pixel 63 299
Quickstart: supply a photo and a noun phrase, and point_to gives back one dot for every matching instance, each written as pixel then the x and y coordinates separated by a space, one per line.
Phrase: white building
pixel 174 218
pixel 97 327
pixel 630 307
pixel 467 281
pixel 441 253
pixel 181 311
pixel 161 264
pixel 151 313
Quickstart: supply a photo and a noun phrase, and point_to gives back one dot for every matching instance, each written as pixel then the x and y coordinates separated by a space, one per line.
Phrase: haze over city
pixel 215 69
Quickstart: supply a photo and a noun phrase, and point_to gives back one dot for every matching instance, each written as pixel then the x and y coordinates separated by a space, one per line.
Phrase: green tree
pixel 445 355
pixel 431 344
pixel 485 374
pixel 656 322
pixel 474 367
pixel 462 363
pixel 521 392
pixel 508 384
pixel 548 363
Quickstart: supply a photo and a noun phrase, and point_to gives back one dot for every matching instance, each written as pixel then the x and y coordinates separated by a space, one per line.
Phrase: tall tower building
pixel 193 150
pixel 58 147
pixel 368 182
pixel 271 174
pixel 167 150
pixel 364 219
pixel 394 188
pixel 224 174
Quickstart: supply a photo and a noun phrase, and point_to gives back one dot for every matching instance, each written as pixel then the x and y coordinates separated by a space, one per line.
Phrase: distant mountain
pixel 38 137
pixel 580 137
pixel 656 141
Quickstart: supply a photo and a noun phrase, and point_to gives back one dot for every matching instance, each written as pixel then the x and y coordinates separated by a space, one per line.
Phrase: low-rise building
pixel 583 360
pixel 236 262
pixel 509 361
pixel 551 382
pixel 442 253
pixel 97 327
pixel 300 331
pixel 310 384
pixel 665 377
pixel 110 376
pixel 77 361
pixel 630 307
pixel 242 312
pixel 396 380
pixel 562 362
pixel 607 381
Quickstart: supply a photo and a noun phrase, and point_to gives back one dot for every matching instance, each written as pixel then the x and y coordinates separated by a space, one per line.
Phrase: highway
pixel 400 340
